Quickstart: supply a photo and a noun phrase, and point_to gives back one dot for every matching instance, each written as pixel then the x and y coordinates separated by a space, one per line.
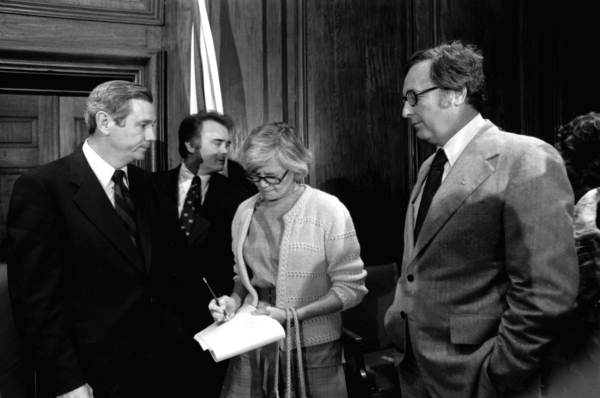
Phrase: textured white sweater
pixel 319 253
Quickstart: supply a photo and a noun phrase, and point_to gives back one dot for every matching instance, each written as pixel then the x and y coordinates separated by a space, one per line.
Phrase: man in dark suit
pixel 202 202
pixel 489 265
pixel 79 267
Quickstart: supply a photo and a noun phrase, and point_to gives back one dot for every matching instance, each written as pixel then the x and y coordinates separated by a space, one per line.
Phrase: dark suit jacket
pixel 80 289
pixel 492 271
pixel 208 251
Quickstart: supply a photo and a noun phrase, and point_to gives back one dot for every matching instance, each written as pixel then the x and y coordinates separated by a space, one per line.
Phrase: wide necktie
pixel 192 199
pixel 434 179
pixel 124 205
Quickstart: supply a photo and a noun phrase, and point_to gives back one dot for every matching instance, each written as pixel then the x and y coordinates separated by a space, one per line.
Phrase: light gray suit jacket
pixel 493 268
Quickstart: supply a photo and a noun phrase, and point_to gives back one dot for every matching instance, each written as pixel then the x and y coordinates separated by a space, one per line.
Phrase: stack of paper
pixel 243 333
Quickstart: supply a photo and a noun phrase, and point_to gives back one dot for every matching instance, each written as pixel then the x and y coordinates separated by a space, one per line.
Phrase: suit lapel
pixel 92 201
pixel 409 225
pixel 171 188
pixel 471 169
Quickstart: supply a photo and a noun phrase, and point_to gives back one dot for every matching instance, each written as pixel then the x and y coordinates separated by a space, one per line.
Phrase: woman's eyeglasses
pixel 271 180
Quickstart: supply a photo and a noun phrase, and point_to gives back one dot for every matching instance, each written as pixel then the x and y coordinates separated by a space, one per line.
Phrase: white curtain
pixel 210 72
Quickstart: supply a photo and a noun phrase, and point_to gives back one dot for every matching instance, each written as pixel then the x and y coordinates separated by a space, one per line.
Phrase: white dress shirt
pixel 453 149
pixel 103 171
pixel 184 183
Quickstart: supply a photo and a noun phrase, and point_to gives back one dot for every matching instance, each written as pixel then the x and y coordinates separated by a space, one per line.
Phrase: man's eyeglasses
pixel 412 96
pixel 271 180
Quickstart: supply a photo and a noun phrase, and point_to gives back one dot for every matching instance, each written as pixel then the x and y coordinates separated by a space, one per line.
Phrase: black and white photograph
pixel 299 199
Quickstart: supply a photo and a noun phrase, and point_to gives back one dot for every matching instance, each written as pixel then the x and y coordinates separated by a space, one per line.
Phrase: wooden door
pixel 34 129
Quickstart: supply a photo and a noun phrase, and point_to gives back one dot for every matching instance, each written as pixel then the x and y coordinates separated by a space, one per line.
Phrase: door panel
pixel 27 139
pixel 73 130
pixel 35 129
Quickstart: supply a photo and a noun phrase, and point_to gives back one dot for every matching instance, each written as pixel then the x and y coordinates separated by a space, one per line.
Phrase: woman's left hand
pixel 274 312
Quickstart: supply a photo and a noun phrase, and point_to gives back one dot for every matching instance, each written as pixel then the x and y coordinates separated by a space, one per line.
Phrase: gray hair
pixel 113 98
pixel 276 141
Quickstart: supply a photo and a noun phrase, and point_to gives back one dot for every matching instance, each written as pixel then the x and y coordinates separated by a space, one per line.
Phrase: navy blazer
pixel 76 279
pixel 207 252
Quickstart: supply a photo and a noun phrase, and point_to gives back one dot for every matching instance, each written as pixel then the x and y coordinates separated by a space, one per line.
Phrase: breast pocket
pixel 472 328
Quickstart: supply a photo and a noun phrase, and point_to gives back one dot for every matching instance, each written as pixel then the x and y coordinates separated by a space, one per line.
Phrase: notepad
pixel 243 333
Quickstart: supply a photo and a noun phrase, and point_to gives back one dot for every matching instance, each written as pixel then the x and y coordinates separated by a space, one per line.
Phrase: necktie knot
pixel 195 182
pixel 118 177
pixel 440 159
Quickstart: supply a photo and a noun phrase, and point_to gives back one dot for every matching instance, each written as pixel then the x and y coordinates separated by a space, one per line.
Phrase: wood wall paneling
pixel 176 43
pixel 145 12
pixel 40 33
pixel 241 43
pixel 295 109
pixel 354 124
pixel 576 59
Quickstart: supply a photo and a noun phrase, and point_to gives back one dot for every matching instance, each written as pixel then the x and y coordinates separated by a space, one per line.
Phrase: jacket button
pixel 410 277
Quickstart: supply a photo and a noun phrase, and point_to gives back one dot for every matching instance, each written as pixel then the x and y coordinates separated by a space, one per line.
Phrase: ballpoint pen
pixel 212 292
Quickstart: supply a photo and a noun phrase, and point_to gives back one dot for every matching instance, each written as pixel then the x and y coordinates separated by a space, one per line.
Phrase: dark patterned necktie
pixel 434 179
pixel 124 205
pixel 192 200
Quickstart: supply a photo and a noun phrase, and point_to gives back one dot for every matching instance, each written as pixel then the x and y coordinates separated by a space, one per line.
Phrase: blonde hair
pixel 277 141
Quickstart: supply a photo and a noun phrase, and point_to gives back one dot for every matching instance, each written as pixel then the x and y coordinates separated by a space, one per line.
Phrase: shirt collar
pixel 459 141
pixel 100 167
pixel 186 174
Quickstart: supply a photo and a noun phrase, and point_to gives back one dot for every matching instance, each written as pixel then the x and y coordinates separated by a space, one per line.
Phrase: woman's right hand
pixel 223 308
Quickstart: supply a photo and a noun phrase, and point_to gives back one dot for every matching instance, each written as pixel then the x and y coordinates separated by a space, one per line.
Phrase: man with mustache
pixel 202 201
pixel 489 266
pixel 79 268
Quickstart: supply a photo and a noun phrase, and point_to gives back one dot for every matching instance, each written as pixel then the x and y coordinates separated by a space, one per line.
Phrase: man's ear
pixel 189 147
pixel 104 122
pixel 459 97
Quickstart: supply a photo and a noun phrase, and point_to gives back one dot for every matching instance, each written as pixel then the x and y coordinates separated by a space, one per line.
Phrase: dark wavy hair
pixel 193 123
pixel 455 65
pixel 578 141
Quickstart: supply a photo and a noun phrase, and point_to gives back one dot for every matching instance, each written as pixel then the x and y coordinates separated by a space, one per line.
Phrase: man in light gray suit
pixel 489 265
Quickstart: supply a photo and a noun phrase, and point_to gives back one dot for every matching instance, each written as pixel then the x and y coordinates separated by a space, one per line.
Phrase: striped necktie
pixel 124 205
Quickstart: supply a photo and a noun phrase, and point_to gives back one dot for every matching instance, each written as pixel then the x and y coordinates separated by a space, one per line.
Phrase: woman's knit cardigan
pixel 319 253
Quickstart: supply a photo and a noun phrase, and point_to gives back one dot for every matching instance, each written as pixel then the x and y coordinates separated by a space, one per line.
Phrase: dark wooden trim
pixel 153 15
pixel 159 154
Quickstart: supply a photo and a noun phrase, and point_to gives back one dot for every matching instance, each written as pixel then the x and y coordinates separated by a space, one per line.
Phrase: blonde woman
pixel 295 247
